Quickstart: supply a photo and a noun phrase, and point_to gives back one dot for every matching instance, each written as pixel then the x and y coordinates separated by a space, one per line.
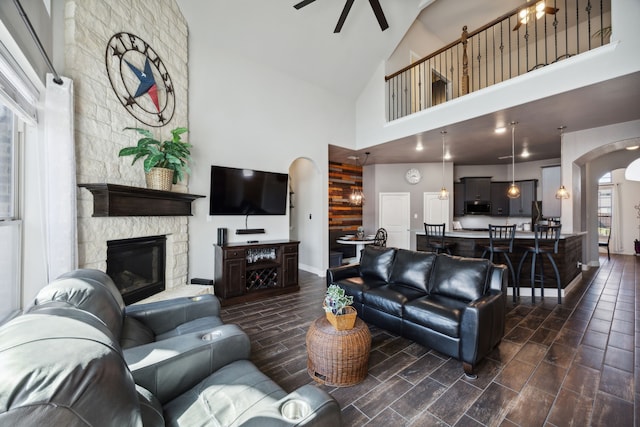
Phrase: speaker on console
pixel 222 236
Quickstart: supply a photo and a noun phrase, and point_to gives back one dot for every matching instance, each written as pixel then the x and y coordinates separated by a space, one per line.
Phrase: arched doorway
pixel 305 218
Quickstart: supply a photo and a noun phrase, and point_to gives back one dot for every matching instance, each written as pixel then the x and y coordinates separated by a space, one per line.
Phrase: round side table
pixel 338 358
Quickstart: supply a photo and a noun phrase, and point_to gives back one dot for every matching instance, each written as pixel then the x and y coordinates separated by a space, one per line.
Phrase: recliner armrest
pixel 323 410
pixel 163 316
pixel 343 272
pixel 172 366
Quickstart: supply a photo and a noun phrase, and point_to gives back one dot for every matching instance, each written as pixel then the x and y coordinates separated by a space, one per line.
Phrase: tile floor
pixel 574 364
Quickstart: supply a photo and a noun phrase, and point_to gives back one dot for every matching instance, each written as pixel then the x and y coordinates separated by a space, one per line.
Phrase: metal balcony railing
pixel 523 40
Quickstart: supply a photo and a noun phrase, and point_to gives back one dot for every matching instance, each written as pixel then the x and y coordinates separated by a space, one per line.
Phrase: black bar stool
pixel 546 238
pixel 435 238
pixel 501 242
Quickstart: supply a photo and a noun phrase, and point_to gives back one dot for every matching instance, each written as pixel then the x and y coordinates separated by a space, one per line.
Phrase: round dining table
pixel 359 242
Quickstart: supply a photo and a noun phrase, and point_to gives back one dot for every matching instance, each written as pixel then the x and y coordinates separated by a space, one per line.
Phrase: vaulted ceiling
pixel 301 43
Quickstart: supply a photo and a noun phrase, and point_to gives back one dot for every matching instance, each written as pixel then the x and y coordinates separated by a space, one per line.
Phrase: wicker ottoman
pixel 338 358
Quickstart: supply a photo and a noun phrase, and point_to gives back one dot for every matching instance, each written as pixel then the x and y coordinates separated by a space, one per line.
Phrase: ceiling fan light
pixel 513 192
pixel 523 14
pixel 444 194
pixel 540 6
pixel 562 193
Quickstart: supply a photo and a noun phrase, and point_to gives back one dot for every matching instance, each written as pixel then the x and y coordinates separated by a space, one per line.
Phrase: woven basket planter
pixel 343 322
pixel 159 179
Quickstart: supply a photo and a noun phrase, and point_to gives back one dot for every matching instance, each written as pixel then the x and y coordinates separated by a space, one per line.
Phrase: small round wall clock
pixel 140 79
pixel 413 176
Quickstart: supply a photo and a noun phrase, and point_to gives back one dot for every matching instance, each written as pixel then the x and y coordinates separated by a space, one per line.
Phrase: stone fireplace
pixel 100 119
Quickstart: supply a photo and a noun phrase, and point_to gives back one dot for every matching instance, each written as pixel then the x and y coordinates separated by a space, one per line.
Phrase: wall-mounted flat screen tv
pixel 247 192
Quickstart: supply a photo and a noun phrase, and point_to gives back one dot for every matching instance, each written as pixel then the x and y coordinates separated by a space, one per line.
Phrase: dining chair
pixel 501 242
pixel 435 238
pixel 380 238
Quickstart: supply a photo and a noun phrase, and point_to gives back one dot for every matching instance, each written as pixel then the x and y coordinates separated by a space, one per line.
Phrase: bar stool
pixel 435 238
pixel 546 238
pixel 501 242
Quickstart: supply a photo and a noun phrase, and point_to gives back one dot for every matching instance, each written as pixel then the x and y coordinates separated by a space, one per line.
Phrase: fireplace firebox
pixel 137 266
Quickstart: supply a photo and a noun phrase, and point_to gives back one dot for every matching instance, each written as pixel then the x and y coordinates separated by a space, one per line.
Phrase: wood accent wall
pixel 343 178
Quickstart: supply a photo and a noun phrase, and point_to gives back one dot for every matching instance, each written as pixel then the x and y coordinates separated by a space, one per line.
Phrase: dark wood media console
pixel 251 271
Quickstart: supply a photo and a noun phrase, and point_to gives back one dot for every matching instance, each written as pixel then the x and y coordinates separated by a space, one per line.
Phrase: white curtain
pixel 59 178
pixel 615 244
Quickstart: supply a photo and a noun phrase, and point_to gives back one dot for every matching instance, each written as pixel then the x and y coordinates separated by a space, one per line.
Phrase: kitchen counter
pixel 471 243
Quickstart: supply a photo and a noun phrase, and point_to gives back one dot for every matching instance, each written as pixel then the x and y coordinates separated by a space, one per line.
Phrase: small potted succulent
pixel 338 309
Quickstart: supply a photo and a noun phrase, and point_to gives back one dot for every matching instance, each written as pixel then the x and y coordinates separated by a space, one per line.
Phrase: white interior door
pixel 394 217
pixel 436 211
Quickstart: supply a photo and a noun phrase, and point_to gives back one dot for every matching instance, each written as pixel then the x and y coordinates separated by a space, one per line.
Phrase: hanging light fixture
pixel 513 192
pixel 562 193
pixel 444 193
pixel 357 196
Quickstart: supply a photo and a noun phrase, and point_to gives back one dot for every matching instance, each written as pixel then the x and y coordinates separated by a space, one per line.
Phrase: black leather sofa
pixel 62 363
pixel 454 305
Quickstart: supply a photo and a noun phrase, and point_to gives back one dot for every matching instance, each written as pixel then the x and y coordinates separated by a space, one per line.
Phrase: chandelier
pixel 444 193
pixel 513 192
pixel 356 198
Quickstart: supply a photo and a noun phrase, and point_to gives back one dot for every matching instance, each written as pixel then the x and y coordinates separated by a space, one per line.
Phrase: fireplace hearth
pixel 137 266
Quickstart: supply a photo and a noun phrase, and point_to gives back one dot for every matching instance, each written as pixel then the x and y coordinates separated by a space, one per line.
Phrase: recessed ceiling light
pixel 500 129
pixel 633 147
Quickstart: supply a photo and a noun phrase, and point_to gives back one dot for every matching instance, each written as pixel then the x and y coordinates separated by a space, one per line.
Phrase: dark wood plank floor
pixel 558 365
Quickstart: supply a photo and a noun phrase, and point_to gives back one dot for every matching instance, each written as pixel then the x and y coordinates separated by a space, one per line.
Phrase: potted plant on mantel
pixel 165 162
pixel 338 309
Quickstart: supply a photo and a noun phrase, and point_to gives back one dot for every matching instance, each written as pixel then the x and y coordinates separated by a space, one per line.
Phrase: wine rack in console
pixel 250 271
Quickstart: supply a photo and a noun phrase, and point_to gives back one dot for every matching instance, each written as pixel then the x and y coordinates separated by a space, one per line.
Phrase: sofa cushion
pixel 412 268
pixel 356 286
pixel 376 262
pixel 460 278
pixel 436 312
pixel 391 298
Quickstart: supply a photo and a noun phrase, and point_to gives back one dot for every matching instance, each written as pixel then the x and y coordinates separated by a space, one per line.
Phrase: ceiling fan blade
pixel 303 3
pixel 377 10
pixel 343 15
pixel 551 10
pixel 517 26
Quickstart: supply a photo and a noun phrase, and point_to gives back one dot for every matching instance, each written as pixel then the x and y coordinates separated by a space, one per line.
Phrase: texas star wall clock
pixel 140 79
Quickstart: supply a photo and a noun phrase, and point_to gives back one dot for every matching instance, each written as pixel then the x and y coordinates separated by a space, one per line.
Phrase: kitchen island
pixel 471 243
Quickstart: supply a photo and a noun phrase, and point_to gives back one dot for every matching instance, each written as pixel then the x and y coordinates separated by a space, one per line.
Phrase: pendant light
pixel 357 196
pixel 562 193
pixel 444 193
pixel 513 192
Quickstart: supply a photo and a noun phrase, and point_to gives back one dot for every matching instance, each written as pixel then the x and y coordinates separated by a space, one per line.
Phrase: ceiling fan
pixel 375 5
pixel 539 10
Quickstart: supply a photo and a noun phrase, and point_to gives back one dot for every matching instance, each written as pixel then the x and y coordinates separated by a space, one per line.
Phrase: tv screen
pixel 247 192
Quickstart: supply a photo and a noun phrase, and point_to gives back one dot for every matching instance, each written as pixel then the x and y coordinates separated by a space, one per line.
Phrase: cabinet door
pixel 499 199
pixel 234 274
pixel 477 188
pixel 290 269
pixel 522 205
pixel 458 199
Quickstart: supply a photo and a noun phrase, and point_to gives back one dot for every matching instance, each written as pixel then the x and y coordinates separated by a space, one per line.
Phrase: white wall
pixel 629 221
pixel 243 114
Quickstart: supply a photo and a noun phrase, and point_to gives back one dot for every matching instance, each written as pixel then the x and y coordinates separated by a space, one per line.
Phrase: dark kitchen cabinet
pixel 523 204
pixel 458 199
pixel 499 199
pixel 477 188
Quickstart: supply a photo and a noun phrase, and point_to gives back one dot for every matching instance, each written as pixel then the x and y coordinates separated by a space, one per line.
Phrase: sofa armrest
pixel 343 272
pixel 482 326
pixel 322 410
pixel 498 278
pixel 172 366
pixel 163 316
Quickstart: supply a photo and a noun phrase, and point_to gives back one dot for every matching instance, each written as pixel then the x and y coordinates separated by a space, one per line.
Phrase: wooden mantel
pixel 122 200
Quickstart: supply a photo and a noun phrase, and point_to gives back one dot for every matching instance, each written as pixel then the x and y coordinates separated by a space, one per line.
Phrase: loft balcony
pixel 522 41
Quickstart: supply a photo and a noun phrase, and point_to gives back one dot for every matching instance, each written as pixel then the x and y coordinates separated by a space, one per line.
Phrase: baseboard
pixel 310 269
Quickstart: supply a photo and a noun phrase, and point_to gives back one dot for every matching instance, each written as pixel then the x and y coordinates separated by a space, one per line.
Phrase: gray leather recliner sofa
pixel 62 363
